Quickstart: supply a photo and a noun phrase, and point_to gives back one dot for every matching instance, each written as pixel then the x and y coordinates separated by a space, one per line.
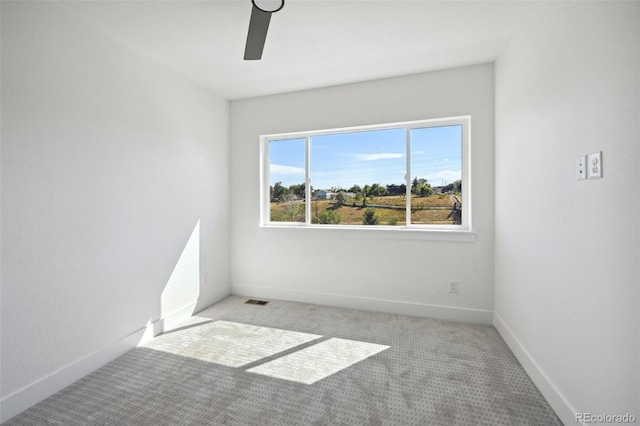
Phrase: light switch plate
pixel 594 165
pixel 581 167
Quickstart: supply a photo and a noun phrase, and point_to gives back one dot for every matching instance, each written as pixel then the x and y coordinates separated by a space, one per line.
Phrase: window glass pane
pixel 436 175
pixel 287 180
pixel 358 178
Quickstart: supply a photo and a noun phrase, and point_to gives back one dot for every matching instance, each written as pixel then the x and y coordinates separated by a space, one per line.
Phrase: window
pixel 412 175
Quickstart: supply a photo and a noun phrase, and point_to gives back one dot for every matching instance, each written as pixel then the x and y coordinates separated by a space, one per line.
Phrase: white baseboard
pixel 20 400
pixel 554 397
pixel 451 313
pixel 168 322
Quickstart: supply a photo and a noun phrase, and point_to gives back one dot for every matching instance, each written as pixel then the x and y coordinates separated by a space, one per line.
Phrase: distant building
pixel 324 195
pixel 396 189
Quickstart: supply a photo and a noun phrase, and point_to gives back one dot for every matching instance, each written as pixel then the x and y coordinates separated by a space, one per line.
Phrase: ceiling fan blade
pixel 258 26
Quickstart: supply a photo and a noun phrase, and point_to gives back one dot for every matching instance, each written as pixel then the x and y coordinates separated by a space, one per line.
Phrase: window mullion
pixel 307 187
pixel 408 179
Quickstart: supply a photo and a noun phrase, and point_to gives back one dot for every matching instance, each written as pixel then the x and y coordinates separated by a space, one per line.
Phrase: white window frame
pixel 464 228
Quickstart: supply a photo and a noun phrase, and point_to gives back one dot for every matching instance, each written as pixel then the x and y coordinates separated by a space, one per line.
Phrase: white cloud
pixel 278 169
pixel 381 156
pixel 443 176
pixel 417 153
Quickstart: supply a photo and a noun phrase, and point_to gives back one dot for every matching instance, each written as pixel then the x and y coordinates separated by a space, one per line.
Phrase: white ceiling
pixel 310 44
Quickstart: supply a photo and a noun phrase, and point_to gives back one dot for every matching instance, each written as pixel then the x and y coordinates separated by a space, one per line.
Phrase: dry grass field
pixel 425 210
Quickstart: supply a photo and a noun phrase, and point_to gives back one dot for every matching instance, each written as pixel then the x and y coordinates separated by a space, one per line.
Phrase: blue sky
pixel 378 156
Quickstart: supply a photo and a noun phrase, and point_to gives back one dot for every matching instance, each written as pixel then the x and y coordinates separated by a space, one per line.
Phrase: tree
pixel 291 207
pixel 298 190
pixel 355 189
pixel 453 187
pixel 421 187
pixel 327 217
pixel 457 186
pixel 278 190
pixel 414 185
pixel 426 190
pixel 367 191
pixel 371 217
pixel 378 190
pixel 341 198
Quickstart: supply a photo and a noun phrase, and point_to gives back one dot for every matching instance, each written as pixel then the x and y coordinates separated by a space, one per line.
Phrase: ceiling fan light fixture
pixel 269 6
pixel 261 11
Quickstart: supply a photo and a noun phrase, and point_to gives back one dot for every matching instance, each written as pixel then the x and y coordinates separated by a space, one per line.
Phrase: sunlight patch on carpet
pixel 316 362
pixel 234 344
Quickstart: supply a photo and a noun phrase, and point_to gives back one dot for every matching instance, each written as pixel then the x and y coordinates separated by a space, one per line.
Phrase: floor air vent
pixel 256 302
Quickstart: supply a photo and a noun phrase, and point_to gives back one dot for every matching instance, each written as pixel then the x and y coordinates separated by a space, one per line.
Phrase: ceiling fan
pixel 258 26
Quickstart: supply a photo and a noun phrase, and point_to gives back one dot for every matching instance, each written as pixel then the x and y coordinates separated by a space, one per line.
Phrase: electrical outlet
pixel 581 167
pixel 454 286
pixel 594 165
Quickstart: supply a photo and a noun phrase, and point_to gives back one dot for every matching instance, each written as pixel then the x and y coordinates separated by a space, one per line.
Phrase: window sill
pixel 378 232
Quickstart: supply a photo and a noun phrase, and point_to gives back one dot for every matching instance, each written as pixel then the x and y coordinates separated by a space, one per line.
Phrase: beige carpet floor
pixel 301 364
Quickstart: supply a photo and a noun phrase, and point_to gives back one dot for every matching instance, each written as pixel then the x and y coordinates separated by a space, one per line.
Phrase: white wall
pixel 108 162
pixel 114 198
pixel 567 251
pixel 366 269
